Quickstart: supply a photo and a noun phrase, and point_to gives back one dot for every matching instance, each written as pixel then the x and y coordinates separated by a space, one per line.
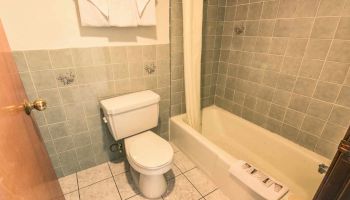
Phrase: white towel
pixel 93 12
pixel 119 13
pixel 123 13
pixel 102 6
pixel 147 16
pixel 141 5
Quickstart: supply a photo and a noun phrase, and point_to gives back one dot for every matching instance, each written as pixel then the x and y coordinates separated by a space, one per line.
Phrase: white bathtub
pixel 227 138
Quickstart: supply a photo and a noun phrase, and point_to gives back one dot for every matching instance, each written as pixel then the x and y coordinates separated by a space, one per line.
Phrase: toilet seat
pixel 148 153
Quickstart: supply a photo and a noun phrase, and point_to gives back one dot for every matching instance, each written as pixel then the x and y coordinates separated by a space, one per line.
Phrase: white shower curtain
pixel 192 28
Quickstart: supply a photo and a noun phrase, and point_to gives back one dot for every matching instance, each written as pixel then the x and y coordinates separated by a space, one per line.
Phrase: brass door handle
pixel 38 104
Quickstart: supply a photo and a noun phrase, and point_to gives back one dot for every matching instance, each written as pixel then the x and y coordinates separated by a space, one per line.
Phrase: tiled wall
pixel 73 81
pixel 176 58
pixel 213 15
pixel 289 70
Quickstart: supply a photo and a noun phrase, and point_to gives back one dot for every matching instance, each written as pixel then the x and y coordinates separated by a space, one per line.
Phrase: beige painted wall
pixel 50 24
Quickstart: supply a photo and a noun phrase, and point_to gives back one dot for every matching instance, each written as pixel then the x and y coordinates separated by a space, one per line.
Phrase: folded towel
pixel 141 5
pixel 119 13
pixel 123 13
pixel 93 13
pixel 148 14
pixel 102 6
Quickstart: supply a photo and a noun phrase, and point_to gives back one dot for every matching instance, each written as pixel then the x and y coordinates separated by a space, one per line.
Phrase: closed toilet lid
pixel 149 150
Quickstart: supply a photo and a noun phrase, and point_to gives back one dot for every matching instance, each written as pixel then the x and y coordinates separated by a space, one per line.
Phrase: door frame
pixel 336 183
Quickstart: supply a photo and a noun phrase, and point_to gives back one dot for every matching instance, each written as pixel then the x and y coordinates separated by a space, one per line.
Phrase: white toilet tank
pixel 130 114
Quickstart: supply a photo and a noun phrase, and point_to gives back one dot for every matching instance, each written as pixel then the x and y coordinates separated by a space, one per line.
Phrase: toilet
pixel 130 117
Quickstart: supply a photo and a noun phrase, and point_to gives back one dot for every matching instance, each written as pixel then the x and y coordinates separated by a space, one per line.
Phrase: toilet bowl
pixel 130 117
pixel 150 157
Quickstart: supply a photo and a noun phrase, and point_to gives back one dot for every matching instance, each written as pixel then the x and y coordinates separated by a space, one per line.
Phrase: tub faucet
pixel 322 168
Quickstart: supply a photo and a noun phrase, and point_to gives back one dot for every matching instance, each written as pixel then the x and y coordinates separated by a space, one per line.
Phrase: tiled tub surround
pixel 112 180
pixel 73 81
pixel 212 30
pixel 289 70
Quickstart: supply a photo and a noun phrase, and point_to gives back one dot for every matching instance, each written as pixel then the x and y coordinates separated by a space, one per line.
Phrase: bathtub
pixel 227 138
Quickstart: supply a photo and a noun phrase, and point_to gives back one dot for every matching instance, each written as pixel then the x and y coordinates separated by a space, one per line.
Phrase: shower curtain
pixel 192 29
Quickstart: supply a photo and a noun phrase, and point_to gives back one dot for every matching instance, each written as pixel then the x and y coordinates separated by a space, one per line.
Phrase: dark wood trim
pixel 336 183
pixel 345 195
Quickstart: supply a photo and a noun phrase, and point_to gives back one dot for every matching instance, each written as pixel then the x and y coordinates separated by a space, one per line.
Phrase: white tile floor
pixel 112 181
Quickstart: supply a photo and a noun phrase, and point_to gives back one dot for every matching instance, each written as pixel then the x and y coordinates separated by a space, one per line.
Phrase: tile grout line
pixel 316 99
pixel 192 183
pixel 76 176
pixel 86 116
pixel 243 37
pixel 94 183
pixel 70 192
pixel 289 107
pixel 284 56
pixel 183 173
pixel 309 97
pixel 112 176
pixel 211 192
pixel 317 80
pixel 66 117
pixel 110 170
pixel 341 85
pixel 43 114
pixel 293 93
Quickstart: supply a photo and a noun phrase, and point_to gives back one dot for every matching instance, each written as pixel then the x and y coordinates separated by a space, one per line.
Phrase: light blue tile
pixel 44 132
pixel 64 144
pixel 58 130
pixel 55 114
pixel 38 60
pixel 82 139
pixel 50 147
pixel 51 96
pixel 44 79
pixel 76 126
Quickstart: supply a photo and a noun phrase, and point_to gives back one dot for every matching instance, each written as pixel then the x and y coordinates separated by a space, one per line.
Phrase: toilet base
pixel 151 186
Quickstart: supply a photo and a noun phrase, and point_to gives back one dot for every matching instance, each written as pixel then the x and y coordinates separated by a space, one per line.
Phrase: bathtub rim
pixel 228 158
pixel 310 154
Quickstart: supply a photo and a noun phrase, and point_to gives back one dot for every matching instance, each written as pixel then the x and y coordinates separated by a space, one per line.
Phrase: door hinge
pixel 344 146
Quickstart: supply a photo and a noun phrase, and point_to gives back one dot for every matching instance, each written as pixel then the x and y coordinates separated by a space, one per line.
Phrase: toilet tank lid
pixel 129 102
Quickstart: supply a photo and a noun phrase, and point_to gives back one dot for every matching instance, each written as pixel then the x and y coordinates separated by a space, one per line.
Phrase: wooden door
pixel 26 172
pixel 336 183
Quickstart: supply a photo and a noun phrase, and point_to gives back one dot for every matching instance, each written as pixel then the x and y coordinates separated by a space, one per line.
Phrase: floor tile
pixel 183 162
pixel 103 190
pixel 180 188
pixel 216 195
pixel 200 181
pixel 125 185
pixel 97 182
pixel 68 183
pixel 119 166
pixel 93 175
pixel 174 171
pixel 139 197
pixel 175 148
pixel 72 196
